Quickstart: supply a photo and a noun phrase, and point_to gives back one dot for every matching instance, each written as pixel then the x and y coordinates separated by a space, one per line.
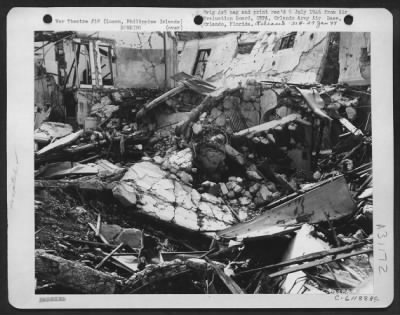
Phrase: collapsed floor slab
pixel 162 196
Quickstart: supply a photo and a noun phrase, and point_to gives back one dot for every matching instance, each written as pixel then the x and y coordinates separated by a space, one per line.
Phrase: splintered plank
pixel 228 281
pixel 314 101
pixel 109 256
pixel 318 263
pixel 60 143
pixel 268 125
pixel 350 127
pixel 162 98
pixel 306 258
pixel 332 198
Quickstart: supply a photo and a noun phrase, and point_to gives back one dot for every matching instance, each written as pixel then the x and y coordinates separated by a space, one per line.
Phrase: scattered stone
pixel 165 165
pixel 185 177
pixel 276 195
pixel 265 194
pixel 253 189
pixel 158 159
pixel 174 170
pixel 237 189
pixel 271 186
pixel 271 138
pixel 197 128
pixel 317 175
pixel 231 194
pixel 224 189
pixel 244 201
pixel 230 185
pixel 210 198
pixel 243 215
pixel 264 141
pixel 234 202
pixel 203 116
pixel 247 194
pixel 253 175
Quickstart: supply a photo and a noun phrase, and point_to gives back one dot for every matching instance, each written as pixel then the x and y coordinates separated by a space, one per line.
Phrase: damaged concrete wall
pixel 354 58
pixel 140 58
pixel 301 63
pixel 223 51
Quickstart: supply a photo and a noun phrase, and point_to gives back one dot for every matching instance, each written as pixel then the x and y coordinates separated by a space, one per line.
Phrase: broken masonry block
pixel 224 189
pixel 265 194
pixel 253 175
pixel 244 201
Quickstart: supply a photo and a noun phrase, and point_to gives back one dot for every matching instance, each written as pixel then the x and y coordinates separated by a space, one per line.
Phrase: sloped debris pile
pixel 263 188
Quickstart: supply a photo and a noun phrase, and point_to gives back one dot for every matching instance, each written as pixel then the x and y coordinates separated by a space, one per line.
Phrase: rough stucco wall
pixel 353 68
pixel 223 50
pixel 299 64
pixel 140 59
pixel 140 68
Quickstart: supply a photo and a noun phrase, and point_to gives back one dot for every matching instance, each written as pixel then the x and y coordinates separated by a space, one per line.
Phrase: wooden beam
pixel 162 98
pixel 318 263
pixel 72 274
pixel 109 256
pixel 268 125
pixel 305 258
pixel 228 281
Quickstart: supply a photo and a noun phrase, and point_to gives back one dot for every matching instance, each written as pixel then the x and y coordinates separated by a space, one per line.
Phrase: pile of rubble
pixel 264 188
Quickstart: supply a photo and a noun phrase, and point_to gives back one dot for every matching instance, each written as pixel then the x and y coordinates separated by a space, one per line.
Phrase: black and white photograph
pixel 203 162
pixel 200 158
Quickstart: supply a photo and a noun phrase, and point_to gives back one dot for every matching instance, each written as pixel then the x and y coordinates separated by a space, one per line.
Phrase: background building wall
pixel 141 58
pixel 354 58
pixel 301 63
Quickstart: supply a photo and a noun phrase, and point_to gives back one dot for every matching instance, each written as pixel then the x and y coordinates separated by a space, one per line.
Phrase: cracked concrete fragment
pixel 210 198
pixel 125 194
pixel 164 190
pixel 153 207
pixel 195 195
pixel 171 200
pixel 182 197
pixel 187 218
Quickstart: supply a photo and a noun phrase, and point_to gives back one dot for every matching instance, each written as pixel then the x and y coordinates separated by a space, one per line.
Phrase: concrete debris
pixel 198 179
pixel 49 131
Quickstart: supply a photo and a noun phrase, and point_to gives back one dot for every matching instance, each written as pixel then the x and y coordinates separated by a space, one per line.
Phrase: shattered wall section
pixel 165 197
pixel 354 58
pixel 223 51
pixel 301 63
pixel 142 59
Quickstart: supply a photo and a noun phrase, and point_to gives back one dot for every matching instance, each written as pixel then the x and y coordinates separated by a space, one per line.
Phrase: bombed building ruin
pixel 203 163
